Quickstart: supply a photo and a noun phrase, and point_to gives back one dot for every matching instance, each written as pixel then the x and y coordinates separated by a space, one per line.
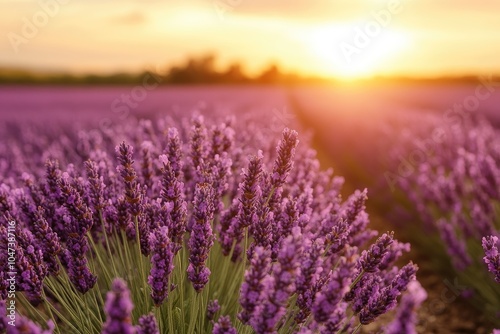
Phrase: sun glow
pixel 351 50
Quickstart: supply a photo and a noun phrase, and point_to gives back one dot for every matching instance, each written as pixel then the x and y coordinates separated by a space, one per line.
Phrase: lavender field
pixel 216 209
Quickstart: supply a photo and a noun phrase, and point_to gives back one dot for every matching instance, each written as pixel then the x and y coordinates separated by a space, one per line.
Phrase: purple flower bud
pixel 96 185
pixel 278 287
pixel 118 309
pixel 174 151
pixel 147 165
pixel 201 239
pixel 126 169
pixel 456 247
pixel 147 325
pixel 175 205
pixel 385 299
pixel 224 326
pixel 492 256
pixel 162 264
pixel 371 259
pixel 212 308
pixel 310 270
pixel 406 317
pixel 253 284
pixel 74 203
pixel 78 270
pixel 284 162
pixel 328 299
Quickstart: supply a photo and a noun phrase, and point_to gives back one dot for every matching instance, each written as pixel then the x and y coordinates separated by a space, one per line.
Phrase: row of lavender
pixel 204 233
pixel 451 175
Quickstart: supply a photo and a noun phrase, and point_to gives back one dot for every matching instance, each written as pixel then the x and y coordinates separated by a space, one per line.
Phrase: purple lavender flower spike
pixel 395 251
pixel 78 271
pixel 96 189
pixel 224 326
pixel 371 259
pixel 175 205
pixel 284 162
pixel 201 239
pixel 174 151
pixel 385 299
pixel 278 287
pixel 212 308
pixel 147 165
pixel 49 240
pixel 126 169
pixel 249 197
pixel 162 264
pixel 492 256
pixel 250 293
pixel 73 201
pixel 310 271
pixel 118 309
pixel 30 265
pixel 328 300
pixel 198 151
pixel 367 287
pixel 456 247
pixel 147 325
pixel 406 317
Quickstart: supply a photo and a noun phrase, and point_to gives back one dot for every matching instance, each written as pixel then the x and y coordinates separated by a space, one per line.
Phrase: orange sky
pixel 343 38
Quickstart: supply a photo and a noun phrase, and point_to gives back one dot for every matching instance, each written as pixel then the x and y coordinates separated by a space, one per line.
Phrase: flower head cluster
pixel 273 249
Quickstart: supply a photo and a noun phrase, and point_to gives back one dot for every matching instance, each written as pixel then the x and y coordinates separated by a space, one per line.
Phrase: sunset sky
pixel 326 38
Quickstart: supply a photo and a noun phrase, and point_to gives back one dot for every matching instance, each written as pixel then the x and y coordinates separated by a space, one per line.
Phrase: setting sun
pixel 347 51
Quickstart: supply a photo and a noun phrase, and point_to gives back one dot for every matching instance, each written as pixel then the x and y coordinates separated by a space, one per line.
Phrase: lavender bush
pixel 187 227
pixel 455 189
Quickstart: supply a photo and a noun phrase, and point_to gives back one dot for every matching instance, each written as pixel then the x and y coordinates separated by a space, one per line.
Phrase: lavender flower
pixel 456 247
pixel 371 259
pixel 133 194
pixel 162 264
pixel 147 165
pixel 96 185
pixel 385 299
pixel 73 201
pixel 249 196
pixel 147 325
pixel 406 318
pixel 118 310
pixel 250 293
pixel 310 271
pixel 279 286
pixel 175 206
pixel 174 152
pixel 224 326
pixel 212 308
pixel 78 271
pixel 284 161
pixel 492 256
pixel 328 300
pixel 201 239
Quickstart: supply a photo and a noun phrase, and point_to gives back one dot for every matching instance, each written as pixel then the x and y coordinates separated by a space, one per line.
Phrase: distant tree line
pixel 195 70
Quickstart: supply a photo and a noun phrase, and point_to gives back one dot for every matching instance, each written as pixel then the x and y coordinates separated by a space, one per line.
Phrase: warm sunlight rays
pixel 351 50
